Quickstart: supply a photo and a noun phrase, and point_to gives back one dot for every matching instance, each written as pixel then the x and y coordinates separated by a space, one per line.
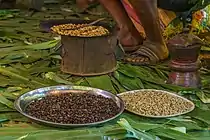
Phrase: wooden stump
pixel 86 56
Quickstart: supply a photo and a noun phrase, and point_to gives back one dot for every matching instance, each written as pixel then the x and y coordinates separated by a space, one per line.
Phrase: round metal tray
pixel 151 116
pixel 24 100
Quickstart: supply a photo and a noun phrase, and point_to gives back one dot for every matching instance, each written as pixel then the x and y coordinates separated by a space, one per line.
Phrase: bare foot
pixel 139 52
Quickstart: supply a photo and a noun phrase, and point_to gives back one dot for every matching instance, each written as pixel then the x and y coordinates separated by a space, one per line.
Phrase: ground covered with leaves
pixel 30 59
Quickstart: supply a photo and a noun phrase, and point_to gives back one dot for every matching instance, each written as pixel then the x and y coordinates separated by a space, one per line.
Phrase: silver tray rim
pixel 69 87
pixel 155 90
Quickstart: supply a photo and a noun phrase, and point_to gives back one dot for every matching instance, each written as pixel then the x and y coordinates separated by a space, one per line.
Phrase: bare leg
pixel 128 34
pixel 147 12
pixel 153 50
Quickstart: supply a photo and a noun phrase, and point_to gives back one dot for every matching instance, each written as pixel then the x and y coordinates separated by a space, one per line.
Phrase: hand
pixel 83 4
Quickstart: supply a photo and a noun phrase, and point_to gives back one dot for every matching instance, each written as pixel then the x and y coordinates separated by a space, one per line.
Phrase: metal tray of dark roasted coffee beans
pixel 22 103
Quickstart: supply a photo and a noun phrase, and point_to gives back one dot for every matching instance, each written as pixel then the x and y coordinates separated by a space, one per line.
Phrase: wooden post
pixel 87 56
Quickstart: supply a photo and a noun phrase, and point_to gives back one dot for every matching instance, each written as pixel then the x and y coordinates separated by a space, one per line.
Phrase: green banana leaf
pixel 201 135
pixel 102 82
pixel 204 97
pixel 171 134
pixel 202 115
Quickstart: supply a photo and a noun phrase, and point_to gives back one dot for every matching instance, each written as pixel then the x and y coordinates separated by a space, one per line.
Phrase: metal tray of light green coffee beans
pixel 26 99
pixel 156 103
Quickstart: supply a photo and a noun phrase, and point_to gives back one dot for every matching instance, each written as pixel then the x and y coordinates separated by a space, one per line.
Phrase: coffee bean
pixel 73 108
pixel 83 31
pixel 155 103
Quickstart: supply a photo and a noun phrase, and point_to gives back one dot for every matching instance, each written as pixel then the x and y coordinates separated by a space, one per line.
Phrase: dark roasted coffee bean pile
pixel 73 108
